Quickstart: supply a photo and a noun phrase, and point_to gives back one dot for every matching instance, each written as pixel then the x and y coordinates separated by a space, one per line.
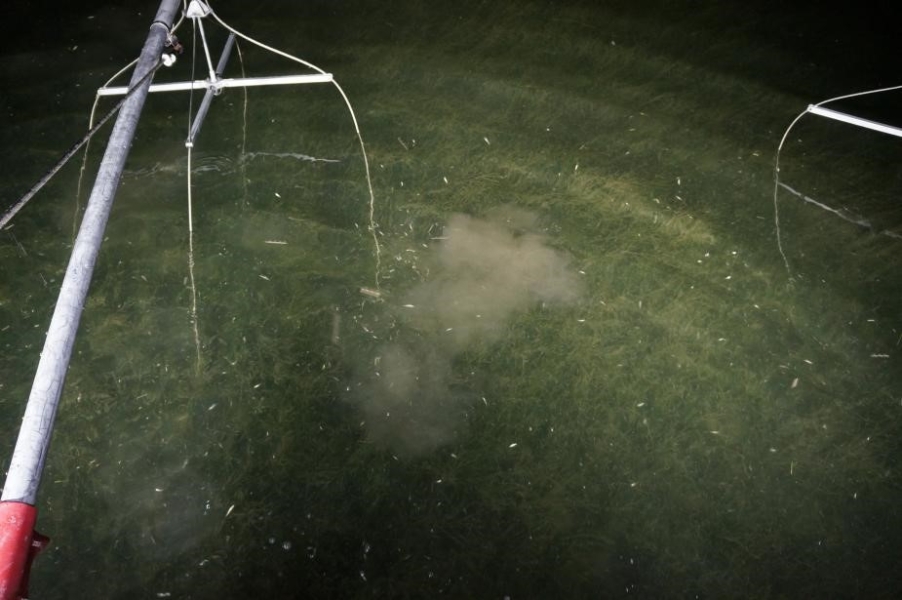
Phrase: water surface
pixel 576 364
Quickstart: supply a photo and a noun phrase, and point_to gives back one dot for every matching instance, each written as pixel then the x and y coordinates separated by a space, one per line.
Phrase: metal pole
pixel 203 84
pixel 19 542
pixel 31 448
pixel 211 91
pixel 853 120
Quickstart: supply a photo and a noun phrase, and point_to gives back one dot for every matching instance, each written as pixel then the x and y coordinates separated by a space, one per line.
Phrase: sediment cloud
pixel 481 273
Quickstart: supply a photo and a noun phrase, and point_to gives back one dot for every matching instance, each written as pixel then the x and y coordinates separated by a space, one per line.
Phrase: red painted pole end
pixel 19 543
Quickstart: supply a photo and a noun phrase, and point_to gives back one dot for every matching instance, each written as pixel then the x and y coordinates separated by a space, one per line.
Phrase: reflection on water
pixel 584 372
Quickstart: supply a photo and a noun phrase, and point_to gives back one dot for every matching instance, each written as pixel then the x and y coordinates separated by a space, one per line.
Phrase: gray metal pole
pixel 208 97
pixel 37 425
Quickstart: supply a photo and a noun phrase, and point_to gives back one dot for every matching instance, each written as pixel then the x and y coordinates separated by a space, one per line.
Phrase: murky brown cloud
pixel 481 273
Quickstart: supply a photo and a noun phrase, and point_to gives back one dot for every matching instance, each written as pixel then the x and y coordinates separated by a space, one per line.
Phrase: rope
pixel 777 189
pixel 71 152
pixel 778 185
pixel 84 160
pixel 193 314
pixel 243 128
pixel 84 156
pixel 366 162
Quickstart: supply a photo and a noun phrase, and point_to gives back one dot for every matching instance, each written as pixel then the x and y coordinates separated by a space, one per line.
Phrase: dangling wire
pixel 366 162
pixel 84 156
pixel 243 162
pixel 189 146
pixel 776 191
pixel 84 160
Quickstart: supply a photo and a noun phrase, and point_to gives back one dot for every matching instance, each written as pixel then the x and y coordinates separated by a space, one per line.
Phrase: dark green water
pixel 586 373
